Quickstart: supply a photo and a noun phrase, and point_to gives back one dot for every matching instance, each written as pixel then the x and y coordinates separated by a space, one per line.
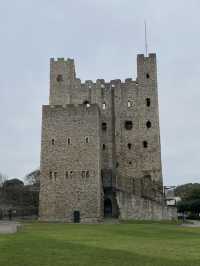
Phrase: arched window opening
pixel 50 174
pixel 128 125
pixel 148 124
pixel 145 144
pixel 59 78
pixel 55 175
pixel 87 174
pixel 129 146
pixel 148 102
pixel 104 126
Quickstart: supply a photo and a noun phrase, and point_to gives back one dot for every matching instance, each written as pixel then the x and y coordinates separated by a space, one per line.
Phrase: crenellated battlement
pixel 66 88
pixel 101 83
pixel 61 59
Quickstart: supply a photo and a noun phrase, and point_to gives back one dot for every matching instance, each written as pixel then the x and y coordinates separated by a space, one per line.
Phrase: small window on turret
pixel 104 147
pixel 147 75
pixel 145 144
pixel 128 125
pixel 50 174
pixel 86 140
pixel 148 124
pixel 53 141
pixel 148 102
pixel 68 141
pixel 129 146
pixel 87 174
pixel 59 78
pixel 104 126
pixel 55 175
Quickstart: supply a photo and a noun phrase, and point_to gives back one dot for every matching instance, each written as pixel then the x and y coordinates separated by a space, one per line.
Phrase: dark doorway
pixel 76 217
pixel 107 208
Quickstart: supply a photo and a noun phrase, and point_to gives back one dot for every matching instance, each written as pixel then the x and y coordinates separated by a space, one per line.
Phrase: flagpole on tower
pixel 146 43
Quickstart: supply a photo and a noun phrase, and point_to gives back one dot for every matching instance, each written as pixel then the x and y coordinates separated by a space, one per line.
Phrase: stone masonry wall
pixel 128 155
pixel 70 163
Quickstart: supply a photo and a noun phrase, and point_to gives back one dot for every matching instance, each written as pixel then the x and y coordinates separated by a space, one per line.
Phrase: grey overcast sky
pixel 103 36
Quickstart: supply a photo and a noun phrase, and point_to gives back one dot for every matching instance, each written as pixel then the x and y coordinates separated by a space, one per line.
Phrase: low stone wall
pixel 137 208
pixel 9 227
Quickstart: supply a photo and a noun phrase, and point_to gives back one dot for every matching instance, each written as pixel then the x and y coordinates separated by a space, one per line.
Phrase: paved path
pixel 192 223
pixel 8 227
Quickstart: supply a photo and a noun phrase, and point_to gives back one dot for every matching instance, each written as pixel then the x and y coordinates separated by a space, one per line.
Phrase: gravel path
pixel 192 223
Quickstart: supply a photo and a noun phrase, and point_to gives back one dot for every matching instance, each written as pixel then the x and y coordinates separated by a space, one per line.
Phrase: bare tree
pixel 33 178
pixel 3 178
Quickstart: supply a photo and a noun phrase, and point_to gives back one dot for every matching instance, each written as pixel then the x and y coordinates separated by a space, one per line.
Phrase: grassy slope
pixel 108 244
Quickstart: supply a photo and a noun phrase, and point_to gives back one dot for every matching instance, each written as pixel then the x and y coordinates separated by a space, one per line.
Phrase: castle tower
pixel 100 153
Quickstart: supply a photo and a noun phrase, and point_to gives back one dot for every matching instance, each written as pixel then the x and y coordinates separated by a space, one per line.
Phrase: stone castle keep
pixel 100 151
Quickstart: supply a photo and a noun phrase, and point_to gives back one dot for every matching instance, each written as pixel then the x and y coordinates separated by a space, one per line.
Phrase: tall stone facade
pixel 100 152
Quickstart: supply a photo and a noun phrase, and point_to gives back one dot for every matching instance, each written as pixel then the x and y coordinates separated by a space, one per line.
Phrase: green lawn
pixel 41 244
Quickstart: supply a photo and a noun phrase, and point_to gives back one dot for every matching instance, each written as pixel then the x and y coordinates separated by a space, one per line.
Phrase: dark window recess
pixel 147 75
pixel 55 175
pixel 145 144
pixel 87 103
pixel 87 174
pixel 103 146
pixel 117 164
pixel 68 141
pixel 83 174
pixel 128 125
pixel 53 141
pixel 107 208
pixel 87 140
pixel 148 101
pixel 147 177
pixel 148 124
pixel 129 146
pixel 50 175
pixel 59 78
pixel 104 126
pixel 71 173
pixel 76 216
pixel 66 174
pixel 130 162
